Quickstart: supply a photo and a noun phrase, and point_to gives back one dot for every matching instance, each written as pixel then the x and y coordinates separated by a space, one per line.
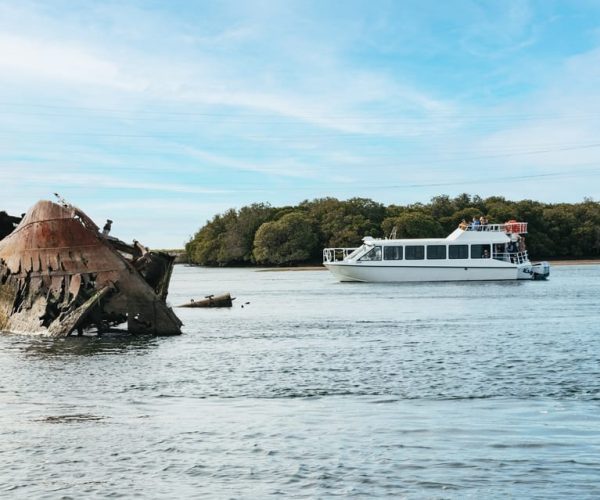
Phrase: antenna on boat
pixel 393 233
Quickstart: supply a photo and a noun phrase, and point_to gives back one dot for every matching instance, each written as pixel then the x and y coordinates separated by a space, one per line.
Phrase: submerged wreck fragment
pixel 60 275
pixel 225 300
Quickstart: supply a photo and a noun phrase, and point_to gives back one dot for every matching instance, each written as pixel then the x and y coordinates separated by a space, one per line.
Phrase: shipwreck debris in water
pixel 224 300
pixel 60 275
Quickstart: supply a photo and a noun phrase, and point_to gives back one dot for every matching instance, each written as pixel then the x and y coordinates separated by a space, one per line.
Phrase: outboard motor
pixel 540 270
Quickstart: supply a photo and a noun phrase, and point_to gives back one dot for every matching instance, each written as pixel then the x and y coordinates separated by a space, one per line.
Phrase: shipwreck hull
pixel 59 275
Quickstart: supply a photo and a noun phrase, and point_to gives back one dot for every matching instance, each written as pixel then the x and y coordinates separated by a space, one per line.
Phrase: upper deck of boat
pixel 489 233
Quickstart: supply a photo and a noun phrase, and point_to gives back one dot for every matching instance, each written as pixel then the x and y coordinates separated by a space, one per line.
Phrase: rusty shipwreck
pixel 60 275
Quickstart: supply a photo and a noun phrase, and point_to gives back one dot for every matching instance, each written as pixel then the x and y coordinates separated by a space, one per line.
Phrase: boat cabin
pixel 503 242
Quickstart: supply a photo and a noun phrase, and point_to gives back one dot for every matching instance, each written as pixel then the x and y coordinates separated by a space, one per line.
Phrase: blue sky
pixel 160 114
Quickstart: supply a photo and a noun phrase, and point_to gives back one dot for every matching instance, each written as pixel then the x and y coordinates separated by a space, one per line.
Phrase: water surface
pixel 318 389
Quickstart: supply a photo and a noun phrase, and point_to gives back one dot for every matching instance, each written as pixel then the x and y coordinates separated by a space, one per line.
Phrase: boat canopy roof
pixel 458 236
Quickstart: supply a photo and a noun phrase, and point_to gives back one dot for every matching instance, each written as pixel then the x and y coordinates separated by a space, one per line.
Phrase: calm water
pixel 318 389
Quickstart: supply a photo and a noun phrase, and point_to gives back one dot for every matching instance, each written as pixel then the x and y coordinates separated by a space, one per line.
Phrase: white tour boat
pixel 488 252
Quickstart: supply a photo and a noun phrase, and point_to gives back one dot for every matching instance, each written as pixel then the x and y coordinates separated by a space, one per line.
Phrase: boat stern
pixel 537 271
pixel 540 270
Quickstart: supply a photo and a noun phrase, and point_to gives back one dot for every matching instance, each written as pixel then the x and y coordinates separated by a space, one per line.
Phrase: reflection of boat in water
pixel 60 275
pixel 489 252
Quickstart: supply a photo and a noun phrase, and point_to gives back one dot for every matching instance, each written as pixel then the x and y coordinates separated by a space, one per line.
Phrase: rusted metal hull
pixel 59 275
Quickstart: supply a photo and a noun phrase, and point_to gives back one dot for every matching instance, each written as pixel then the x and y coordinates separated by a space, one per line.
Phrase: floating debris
pixel 224 300
pixel 59 275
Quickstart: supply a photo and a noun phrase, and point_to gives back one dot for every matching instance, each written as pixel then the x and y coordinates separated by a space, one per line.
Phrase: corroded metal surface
pixel 224 300
pixel 60 275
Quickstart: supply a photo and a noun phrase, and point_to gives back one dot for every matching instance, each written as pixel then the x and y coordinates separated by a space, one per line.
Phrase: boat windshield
pixel 373 254
pixel 356 251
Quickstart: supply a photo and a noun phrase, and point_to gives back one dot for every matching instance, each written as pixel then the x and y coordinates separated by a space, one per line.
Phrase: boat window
pixel 373 254
pixel 480 251
pixel 458 251
pixel 392 253
pixel 416 252
pixel 436 251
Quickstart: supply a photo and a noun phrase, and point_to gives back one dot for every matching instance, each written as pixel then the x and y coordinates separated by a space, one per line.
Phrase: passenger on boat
pixel 463 225
pixel 475 224
pixel 486 254
pixel 483 221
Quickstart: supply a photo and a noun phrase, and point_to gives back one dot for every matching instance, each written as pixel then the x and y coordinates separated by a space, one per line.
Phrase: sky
pixel 161 114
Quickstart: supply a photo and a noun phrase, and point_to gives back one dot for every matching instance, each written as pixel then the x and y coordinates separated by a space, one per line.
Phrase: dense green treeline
pixel 262 234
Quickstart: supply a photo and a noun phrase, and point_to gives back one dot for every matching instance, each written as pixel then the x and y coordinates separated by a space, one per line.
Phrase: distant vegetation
pixel 262 234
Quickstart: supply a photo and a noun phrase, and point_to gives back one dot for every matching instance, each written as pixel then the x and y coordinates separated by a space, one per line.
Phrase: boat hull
pixel 382 273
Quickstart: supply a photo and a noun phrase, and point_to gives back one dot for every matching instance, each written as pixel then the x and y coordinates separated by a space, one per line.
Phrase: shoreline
pixel 558 263
pixel 299 268
pixel 580 262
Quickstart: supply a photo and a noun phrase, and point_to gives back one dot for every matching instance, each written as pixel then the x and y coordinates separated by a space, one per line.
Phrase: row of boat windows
pixel 433 252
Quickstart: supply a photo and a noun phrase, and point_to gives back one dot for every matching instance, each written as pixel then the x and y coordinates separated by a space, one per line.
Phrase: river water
pixel 316 389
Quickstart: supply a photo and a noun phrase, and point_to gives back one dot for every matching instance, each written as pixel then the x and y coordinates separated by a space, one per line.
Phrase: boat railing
pixel 336 254
pixel 507 227
pixel 512 257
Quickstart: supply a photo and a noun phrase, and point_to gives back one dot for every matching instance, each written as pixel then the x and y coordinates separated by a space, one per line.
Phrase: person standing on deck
pixel 483 221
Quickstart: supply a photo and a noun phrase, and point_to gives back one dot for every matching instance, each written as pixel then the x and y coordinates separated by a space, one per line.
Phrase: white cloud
pixel 70 177
pixel 562 119
pixel 282 167
pixel 327 93
pixel 36 58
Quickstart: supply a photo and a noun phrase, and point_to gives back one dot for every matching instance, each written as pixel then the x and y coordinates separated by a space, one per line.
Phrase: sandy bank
pixel 299 268
pixel 581 262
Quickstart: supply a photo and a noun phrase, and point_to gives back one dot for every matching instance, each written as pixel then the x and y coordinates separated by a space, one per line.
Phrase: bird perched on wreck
pixel 107 227
pixel 60 275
